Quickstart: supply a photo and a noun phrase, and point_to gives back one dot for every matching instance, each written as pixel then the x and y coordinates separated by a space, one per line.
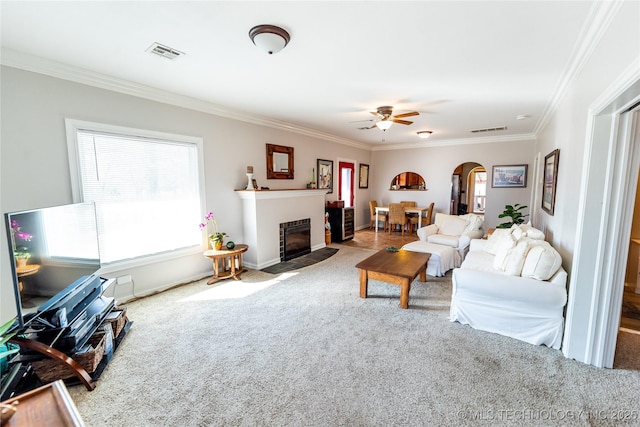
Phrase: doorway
pixel 630 313
pixel 468 189
pixel 346 172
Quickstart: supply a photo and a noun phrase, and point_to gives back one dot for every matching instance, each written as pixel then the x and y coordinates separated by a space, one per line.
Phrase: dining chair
pixel 429 216
pixel 382 216
pixel 397 216
pixel 412 218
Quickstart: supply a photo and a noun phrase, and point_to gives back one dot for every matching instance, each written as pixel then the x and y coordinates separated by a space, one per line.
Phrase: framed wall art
pixel 509 176
pixel 364 176
pixel 550 181
pixel 325 174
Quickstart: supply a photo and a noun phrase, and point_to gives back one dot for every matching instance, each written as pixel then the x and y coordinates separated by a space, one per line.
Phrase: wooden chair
pixel 397 216
pixel 412 218
pixel 383 216
pixel 427 220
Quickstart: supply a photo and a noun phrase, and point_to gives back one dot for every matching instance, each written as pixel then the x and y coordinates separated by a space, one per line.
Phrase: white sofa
pixel 453 231
pixel 512 284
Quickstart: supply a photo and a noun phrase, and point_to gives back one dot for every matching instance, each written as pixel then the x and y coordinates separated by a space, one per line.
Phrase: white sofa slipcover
pixel 503 302
pixel 453 231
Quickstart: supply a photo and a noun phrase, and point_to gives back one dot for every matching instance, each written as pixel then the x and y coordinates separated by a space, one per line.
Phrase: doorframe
pixel 353 179
pixel 603 224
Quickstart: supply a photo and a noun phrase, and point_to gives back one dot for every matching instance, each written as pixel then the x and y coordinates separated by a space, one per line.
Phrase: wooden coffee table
pixel 398 268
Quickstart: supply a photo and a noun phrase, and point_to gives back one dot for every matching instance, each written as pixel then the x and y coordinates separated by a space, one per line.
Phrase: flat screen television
pixel 55 259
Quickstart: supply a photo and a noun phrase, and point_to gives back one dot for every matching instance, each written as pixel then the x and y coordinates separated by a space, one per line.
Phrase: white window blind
pixel 146 192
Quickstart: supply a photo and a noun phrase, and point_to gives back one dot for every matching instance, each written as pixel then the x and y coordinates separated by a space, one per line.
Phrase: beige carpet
pixel 302 349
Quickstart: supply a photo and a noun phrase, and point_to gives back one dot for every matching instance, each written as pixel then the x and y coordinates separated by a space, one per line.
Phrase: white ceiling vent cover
pixel 489 129
pixel 164 51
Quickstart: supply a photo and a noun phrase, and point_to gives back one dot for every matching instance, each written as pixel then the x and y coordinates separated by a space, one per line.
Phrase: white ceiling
pixel 462 65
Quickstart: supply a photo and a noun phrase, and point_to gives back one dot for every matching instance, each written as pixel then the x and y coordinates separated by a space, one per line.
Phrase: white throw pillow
pixel 500 238
pixel 531 232
pixel 475 222
pixel 510 261
pixel 542 261
pixel 453 226
pixel 517 232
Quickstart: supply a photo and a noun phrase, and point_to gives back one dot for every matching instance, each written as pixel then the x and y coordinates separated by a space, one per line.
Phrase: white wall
pixel 616 53
pixel 35 173
pixel 436 165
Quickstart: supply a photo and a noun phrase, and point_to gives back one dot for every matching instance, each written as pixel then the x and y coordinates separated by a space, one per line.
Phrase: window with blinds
pixel 146 188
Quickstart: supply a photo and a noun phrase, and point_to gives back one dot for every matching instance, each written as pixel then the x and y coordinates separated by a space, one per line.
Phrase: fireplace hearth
pixel 295 239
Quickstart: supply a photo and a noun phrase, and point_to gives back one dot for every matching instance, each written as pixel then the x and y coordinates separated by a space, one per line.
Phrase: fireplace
pixel 295 239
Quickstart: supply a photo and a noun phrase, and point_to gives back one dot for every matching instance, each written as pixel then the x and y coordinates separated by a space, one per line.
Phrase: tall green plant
pixel 514 213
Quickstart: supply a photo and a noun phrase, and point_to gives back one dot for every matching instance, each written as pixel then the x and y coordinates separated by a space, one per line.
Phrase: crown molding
pixel 461 141
pixel 12 58
pixel 597 23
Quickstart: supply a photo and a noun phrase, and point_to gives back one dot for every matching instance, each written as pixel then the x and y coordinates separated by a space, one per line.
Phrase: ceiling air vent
pixel 164 51
pixel 489 129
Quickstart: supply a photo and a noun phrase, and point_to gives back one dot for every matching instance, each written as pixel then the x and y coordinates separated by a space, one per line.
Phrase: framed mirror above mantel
pixel 279 162
pixel 408 181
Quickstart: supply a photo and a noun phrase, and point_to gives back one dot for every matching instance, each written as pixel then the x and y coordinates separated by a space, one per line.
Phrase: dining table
pixel 413 209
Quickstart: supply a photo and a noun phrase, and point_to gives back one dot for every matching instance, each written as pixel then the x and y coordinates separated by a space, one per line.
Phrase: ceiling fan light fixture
pixel 269 38
pixel 424 134
pixel 384 124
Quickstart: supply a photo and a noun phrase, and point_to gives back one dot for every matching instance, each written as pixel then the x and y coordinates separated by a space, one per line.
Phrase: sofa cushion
pixel 478 260
pixel 511 260
pixel 441 239
pixel 530 232
pixel 501 238
pixel 452 226
pixel 542 261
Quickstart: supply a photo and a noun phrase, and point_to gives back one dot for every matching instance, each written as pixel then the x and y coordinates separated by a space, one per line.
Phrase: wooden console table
pixel 49 405
pixel 228 257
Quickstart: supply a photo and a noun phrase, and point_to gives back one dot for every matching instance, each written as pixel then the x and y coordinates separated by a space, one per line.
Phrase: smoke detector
pixel 164 51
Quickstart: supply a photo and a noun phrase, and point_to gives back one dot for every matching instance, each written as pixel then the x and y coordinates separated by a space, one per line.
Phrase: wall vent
pixel 164 51
pixel 489 129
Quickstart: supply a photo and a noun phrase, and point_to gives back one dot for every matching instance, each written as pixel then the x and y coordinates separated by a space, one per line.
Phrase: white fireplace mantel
pixel 264 210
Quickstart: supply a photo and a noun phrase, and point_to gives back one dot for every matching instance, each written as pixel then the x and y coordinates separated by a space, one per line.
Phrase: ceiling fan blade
pixel 360 121
pixel 364 128
pixel 402 122
pixel 413 113
pixel 376 114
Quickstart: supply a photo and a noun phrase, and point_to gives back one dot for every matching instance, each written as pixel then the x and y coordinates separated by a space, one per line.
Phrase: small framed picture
pixel 364 176
pixel 325 174
pixel 550 181
pixel 509 176
pixel 255 184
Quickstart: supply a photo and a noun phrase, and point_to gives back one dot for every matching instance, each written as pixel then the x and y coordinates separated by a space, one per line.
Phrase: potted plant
pixel 217 240
pixel 21 255
pixel 514 213
pixel 217 237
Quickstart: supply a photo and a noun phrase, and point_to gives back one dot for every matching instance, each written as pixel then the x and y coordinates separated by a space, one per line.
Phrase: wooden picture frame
pixel 509 176
pixel 550 181
pixel 363 181
pixel 325 174
pixel 279 162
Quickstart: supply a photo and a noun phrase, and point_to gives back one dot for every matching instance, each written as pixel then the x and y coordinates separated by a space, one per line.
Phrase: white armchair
pixel 453 231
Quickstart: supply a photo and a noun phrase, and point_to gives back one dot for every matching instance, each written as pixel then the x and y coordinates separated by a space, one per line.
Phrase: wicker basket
pixel 117 318
pixel 50 370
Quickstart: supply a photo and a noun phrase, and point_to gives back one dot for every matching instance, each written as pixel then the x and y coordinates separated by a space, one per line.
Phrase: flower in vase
pixel 217 236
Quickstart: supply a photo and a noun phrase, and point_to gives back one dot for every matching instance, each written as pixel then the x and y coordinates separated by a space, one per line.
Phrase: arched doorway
pixel 468 189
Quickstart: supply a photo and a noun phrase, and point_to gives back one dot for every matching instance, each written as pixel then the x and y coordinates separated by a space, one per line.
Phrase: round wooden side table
pixel 231 260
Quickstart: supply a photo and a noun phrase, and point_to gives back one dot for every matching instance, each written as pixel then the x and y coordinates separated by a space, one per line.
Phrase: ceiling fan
pixel 384 114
